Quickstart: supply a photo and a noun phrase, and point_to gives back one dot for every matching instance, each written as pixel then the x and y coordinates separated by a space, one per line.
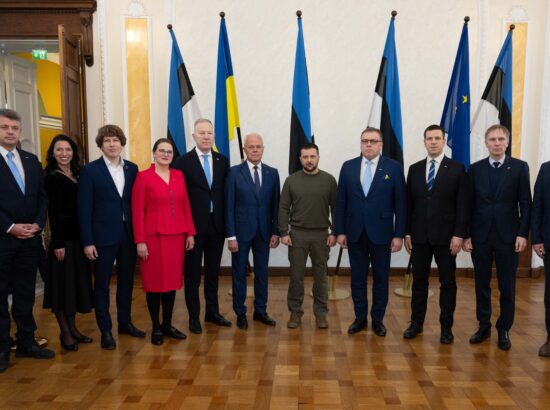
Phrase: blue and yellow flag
pixel 226 117
pixel 456 112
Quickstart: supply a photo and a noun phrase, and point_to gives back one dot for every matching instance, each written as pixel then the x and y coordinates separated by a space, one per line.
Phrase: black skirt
pixel 68 285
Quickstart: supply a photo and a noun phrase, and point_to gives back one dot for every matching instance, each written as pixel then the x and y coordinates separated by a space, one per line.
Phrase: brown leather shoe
pixel 544 350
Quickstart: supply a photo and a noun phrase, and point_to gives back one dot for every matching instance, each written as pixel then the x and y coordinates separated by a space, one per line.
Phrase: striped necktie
pixel 431 175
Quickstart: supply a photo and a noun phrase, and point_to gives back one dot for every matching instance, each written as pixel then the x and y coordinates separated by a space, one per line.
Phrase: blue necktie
pixel 431 175
pixel 367 177
pixel 207 170
pixel 15 172
pixel 257 179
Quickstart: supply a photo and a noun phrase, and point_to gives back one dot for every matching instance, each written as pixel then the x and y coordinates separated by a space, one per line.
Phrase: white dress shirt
pixel 373 165
pixel 16 159
pixel 500 161
pixel 209 157
pixel 117 173
pixel 438 160
pixel 251 167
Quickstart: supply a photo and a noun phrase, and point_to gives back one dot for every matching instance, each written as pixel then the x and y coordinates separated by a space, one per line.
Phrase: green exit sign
pixel 39 54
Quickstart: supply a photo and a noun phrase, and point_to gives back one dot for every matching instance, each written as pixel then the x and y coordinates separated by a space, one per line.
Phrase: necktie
pixel 256 179
pixel 207 170
pixel 496 164
pixel 431 175
pixel 367 177
pixel 15 172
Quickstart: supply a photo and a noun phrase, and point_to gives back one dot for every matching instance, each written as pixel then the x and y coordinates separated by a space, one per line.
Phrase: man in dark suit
pixel 540 238
pixel 251 209
pixel 205 172
pixel 370 222
pixel 438 210
pixel 501 197
pixel 104 212
pixel 23 208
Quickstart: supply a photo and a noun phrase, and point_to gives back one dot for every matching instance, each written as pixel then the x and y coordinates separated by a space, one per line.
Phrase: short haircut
pixel 110 130
pixel 252 134
pixel 309 145
pixel 201 120
pixel 163 141
pixel 434 127
pixel 496 127
pixel 373 129
pixel 11 114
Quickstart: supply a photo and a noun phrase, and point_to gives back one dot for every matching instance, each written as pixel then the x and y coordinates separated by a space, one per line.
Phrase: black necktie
pixel 256 179
pixel 496 164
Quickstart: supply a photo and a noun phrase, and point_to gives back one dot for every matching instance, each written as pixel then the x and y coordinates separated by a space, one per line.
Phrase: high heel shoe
pixel 157 338
pixel 69 347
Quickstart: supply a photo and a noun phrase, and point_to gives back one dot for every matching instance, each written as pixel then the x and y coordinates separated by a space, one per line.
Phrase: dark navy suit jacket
pixel 16 207
pixel 540 212
pixel 103 214
pixel 382 212
pixel 508 207
pixel 247 211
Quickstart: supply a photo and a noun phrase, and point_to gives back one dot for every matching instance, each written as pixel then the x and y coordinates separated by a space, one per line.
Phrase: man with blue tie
pixel 499 230
pixel 370 223
pixel 251 209
pixel 205 172
pixel 104 213
pixel 23 208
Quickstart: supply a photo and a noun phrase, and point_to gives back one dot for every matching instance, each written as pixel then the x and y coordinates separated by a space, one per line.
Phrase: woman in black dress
pixel 68 288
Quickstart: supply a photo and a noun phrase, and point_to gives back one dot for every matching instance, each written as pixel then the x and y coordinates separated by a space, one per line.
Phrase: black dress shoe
pixel 264 318
pixel 217 319
pixel 504 342
pixel 195 326
pixel 379 329
pixel 412 331
pixel 107 341
pixel 242 322
pixel 173 333
pixel 35 352
pixel 4 361
pixel 71 347
pixel 157 337
pixel 130 329
pixel 82 338
pixel 482 334
pixel 357 326
pixel 447 336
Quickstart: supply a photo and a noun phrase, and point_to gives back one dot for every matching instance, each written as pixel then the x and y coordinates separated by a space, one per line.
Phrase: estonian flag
pixel 300 122
pixel 385 112
pixel 496 102
pixel 226 117
pixel 183 109
pixel 456 113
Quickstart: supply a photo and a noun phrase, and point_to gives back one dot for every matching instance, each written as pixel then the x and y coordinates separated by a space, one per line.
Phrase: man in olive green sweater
pixel 307 200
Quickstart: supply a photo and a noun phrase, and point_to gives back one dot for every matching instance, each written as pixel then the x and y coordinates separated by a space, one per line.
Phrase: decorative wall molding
pixel 136 8
pixel 478 147
pixel 105 104
pixel 544 137
pixel 517 14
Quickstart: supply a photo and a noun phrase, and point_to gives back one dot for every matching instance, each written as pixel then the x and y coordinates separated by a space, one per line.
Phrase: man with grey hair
pixel 23 208
pixel 205 171
pixel 251 215
pixel 501 208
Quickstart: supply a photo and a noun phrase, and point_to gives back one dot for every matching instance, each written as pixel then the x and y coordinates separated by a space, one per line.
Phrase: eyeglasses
pixel 164 152
pixel 370 142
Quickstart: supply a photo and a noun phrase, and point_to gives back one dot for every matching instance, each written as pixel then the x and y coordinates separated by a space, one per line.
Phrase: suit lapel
pixel 103 167
pixel 6 170
pixel 28 168
pixel 245 171
pixel 441 172
pixel 199 166
pixel 126 189
pixel 505 171
pixel 378 174
pixel 356 176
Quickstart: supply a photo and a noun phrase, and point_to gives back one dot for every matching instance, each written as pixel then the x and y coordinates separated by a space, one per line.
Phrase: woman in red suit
pixel 163 231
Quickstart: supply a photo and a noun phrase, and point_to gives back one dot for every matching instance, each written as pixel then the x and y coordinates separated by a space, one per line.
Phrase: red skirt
pixel 163 269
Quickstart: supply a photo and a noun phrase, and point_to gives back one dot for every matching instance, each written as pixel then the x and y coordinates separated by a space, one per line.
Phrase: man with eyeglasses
pixel 370 223
pixel 205 172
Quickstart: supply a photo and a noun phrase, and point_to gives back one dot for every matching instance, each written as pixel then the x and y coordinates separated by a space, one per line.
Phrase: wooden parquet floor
pixel 307 368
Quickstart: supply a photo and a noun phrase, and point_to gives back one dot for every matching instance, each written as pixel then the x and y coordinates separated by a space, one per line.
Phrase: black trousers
pixel 18 269
pixel 506 260
pixel 547 290
pixel 422 254
pixel 209 245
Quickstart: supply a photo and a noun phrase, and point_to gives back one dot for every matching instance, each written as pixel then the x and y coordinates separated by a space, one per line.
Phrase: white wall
pixel 344 42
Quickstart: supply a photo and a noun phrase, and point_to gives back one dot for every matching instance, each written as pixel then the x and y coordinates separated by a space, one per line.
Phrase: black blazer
pixel 540 213
pixel 16 207
pixel 437 216
pixel 510 207
pixel 200 194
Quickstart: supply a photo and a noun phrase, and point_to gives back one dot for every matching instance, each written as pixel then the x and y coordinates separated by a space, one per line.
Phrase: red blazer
pixel 160 208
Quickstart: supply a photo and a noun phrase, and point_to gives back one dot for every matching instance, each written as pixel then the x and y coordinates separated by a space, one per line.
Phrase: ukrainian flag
pixel 226 117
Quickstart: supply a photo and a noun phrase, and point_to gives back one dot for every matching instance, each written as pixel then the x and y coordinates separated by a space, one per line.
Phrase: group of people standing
pixel 176 216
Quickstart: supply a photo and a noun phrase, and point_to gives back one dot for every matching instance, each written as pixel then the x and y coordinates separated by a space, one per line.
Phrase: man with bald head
pixel 251 217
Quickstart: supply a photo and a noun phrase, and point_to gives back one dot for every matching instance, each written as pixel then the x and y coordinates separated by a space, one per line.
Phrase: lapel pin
pixel 387 177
